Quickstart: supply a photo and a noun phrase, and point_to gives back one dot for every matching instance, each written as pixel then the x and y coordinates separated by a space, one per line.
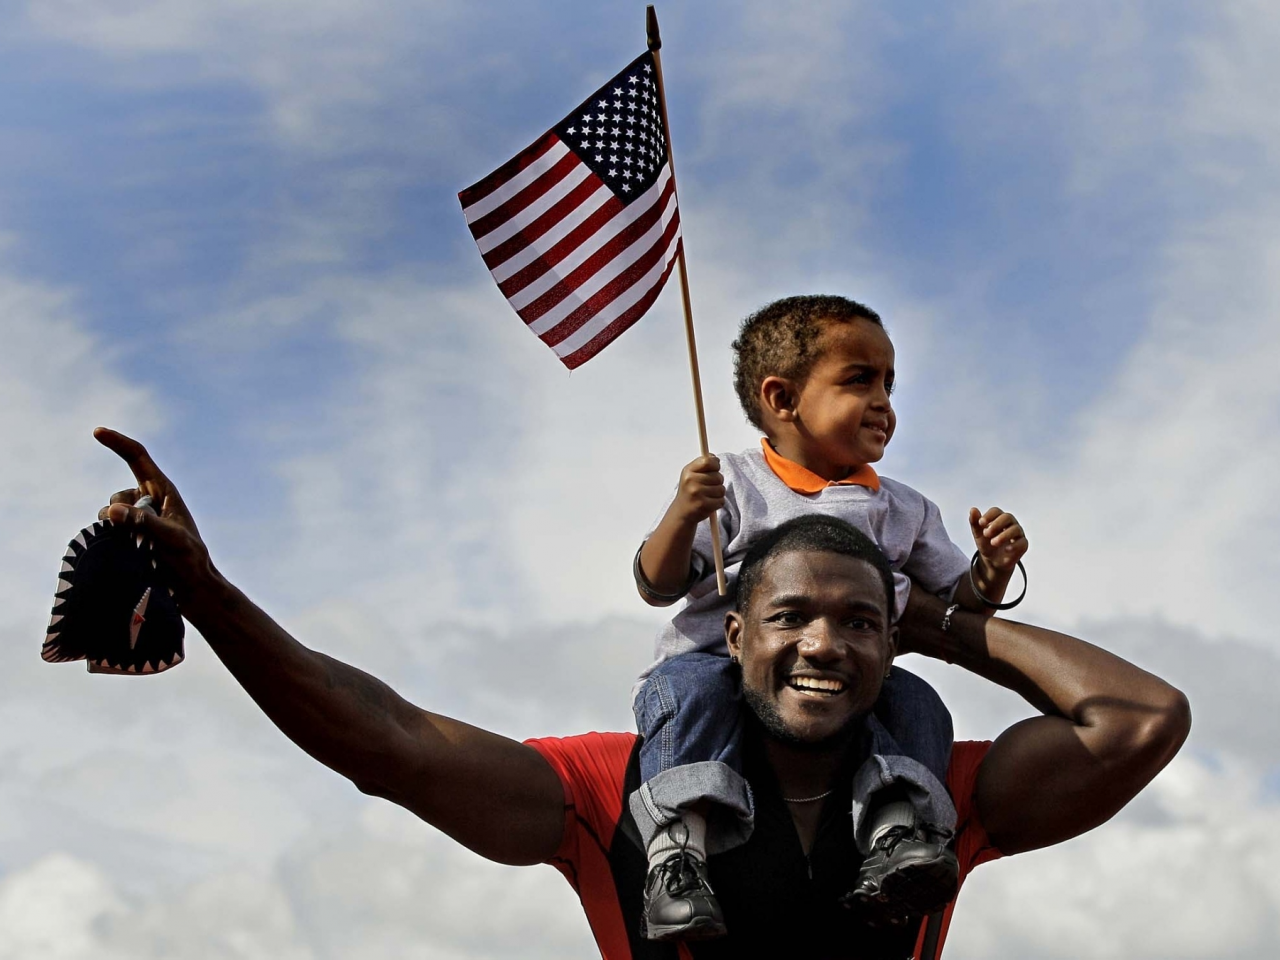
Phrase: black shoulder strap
pixel 932 936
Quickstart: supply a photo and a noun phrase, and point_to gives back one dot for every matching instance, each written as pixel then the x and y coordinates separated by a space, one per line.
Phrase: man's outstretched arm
pixel 492 794
pixel 1108 726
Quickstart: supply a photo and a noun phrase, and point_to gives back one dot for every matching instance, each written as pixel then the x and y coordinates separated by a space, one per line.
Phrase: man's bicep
pixel 494 795
pixel 1041 783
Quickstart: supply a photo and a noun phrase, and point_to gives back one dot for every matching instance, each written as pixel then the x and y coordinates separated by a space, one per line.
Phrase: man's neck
pixel 808 774
pixel 804 771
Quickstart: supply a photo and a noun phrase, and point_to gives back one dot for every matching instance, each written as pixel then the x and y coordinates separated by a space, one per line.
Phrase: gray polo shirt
pixel 906 525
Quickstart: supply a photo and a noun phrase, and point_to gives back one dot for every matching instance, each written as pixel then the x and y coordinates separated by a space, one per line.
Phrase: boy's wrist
pixel 988 583
pixel 652 593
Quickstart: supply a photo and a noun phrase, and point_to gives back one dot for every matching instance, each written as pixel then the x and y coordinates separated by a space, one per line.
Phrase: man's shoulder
pixel 973 846
pixel 581 752
pixel 592 766
pixel 595 770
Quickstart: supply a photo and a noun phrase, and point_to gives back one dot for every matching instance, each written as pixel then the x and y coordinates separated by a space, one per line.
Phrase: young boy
pixel 814 374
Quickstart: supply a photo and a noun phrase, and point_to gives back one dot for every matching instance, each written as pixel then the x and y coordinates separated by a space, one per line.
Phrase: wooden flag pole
pixel 655 44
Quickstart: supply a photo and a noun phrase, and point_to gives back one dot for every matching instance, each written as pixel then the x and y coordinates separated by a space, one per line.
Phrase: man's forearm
pixel 340 715
pixel 1058 674
pixel 1108 726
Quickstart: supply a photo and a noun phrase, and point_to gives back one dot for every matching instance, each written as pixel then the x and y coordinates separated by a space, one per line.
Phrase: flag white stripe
pixel 516 184
pixel 590 245
pixel 589 287
pixel 585 333
pixel 509 228
pixel 518 261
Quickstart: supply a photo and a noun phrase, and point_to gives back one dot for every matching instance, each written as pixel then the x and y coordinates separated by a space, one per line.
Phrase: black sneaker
pixel 906 874
pixel 679 903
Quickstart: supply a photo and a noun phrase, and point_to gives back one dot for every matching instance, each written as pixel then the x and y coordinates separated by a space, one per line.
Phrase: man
pixel 813 637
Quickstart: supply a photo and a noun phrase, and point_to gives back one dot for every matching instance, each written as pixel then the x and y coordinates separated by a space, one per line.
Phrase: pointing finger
pixel 132 453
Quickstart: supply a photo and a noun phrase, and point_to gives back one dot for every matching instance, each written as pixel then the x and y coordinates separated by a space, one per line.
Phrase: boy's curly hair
pixel 781 339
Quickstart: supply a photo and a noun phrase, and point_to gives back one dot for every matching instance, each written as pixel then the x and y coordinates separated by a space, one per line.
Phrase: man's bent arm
pixel 492 794
pixel 1108 727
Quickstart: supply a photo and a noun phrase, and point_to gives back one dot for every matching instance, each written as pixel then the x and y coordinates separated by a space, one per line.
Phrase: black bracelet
pixel 978 593
pixel 646 588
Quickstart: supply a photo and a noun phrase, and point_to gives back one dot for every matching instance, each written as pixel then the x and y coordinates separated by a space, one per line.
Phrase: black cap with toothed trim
pixel 112 606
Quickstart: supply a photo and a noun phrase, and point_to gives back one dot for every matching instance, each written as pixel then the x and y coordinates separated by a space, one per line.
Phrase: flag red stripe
pixel 598 301
pixel 623 323
pixel 605 255
pixel 530 194
pixel 510 247
pixel 481 189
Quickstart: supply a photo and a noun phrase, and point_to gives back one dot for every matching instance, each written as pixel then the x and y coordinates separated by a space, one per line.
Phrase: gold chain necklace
pixel 821 796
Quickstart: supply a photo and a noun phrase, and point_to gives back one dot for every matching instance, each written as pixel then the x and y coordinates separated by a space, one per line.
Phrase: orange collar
pixel 803 480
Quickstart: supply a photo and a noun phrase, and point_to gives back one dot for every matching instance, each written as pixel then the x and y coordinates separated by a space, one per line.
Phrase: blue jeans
pixel 690 714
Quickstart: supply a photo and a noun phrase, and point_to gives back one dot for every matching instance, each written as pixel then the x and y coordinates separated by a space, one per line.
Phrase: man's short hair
pixel 781 340
pixel 817 533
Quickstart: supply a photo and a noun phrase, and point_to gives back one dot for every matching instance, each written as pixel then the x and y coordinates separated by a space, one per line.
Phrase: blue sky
pixel 232 229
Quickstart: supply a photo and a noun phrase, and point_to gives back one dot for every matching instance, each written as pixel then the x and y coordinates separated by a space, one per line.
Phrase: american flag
pixel 581 230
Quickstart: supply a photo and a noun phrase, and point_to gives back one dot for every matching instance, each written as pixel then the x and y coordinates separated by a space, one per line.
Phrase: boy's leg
pixel 693 800
pixel 903 816
pixel 917 719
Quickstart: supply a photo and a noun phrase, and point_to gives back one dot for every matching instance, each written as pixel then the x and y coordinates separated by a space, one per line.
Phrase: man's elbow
pixel 1163 728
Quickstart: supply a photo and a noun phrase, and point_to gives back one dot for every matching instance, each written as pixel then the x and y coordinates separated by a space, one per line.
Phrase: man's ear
pixel 778 398
pixel 893 642
pixel 733 627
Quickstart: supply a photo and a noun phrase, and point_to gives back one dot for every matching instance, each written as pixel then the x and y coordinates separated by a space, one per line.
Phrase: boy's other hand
pixel 701 490
pixel 999 537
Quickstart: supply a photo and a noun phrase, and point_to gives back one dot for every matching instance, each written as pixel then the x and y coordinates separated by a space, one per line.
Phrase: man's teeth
pixel 817 685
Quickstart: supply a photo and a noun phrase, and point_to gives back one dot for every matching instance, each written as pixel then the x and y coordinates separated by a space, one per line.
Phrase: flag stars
pixel 620 135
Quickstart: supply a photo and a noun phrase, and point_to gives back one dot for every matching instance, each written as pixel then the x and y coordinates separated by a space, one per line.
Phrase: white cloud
pixel 1198 884
pixel 1159 499
pixel 426 492
pixel 57 382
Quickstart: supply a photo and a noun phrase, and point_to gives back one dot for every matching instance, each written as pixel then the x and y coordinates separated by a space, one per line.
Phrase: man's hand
pixel 173 532
pixel 700 492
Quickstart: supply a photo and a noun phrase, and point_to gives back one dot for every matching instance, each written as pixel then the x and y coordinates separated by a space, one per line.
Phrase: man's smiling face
pixel 815 642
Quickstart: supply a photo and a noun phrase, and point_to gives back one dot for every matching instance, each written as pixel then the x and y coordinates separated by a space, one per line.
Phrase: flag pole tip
pixel 651 28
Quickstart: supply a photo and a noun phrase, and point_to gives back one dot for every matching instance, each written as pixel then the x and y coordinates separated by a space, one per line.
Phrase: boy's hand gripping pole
pixel 655 44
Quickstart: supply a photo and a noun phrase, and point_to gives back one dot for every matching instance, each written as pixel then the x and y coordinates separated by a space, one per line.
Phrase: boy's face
pixel 842 411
